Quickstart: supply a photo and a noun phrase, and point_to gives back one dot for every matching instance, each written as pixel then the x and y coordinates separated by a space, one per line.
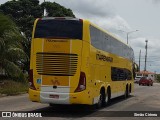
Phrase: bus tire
pixel 101 100
pixel 130 89
pixel 107 96
pixel 99 104
pixel 126 94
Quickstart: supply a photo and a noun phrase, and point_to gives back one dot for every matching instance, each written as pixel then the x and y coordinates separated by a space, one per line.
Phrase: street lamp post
pixel 44 11
pixel 129 33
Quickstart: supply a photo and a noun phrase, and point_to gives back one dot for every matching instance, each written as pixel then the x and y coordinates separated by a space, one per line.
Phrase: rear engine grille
pixel 56 64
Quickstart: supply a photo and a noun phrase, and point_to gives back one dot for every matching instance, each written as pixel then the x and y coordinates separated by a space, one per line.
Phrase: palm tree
pixel 11 50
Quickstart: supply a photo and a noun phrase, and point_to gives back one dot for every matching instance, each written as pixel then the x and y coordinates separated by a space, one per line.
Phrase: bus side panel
pixel 85 97
pixel 76 47
pixel 34 95
pixel 37 45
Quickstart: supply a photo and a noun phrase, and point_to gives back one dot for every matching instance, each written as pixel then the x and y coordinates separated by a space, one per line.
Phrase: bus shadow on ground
pixel 119 99
pixel 75 110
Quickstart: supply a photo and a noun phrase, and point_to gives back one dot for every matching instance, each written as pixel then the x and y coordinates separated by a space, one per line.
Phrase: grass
pixel 10 87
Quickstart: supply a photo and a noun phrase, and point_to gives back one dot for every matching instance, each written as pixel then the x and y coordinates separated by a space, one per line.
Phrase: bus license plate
pixel 54 96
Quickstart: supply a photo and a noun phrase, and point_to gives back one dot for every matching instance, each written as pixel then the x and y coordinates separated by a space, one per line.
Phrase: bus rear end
pixel 55 67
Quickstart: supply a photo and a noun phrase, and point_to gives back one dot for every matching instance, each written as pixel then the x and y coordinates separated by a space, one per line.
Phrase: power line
pixel 148 61
pixel 150 56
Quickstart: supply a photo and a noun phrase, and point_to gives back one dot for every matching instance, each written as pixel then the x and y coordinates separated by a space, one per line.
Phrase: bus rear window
pixel 54 28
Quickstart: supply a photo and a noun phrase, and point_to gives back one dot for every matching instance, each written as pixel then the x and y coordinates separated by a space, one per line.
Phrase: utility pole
pixel 145 68
pixel 139 60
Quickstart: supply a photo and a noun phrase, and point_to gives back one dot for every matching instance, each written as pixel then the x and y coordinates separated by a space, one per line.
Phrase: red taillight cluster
pixel 82 82
pixel 31 84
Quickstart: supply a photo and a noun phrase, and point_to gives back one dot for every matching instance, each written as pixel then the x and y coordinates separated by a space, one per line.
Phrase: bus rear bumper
pixel 34 95
pixel 54 98
pixel 60 98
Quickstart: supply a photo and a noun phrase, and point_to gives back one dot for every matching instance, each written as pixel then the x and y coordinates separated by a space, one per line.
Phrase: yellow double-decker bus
pixel 75 62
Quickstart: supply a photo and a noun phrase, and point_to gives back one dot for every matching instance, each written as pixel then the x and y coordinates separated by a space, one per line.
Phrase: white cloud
pixel 88 8
pixel 156 1
pixel 153 58
pixel 102 13
pixel 98 12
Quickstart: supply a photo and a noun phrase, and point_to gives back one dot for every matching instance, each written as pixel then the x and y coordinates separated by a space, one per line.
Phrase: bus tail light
pixel 31 84
pixel 82 82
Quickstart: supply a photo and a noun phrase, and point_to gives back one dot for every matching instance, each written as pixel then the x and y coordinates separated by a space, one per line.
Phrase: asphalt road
pixel 144 100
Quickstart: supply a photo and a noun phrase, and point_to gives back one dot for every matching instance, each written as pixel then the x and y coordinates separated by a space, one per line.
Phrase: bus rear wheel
pixel 99 104
pixel 126 94
pixel 104 98
pixel 107 96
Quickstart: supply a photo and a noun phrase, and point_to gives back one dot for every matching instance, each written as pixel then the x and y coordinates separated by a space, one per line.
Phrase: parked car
pixel 146 81
pixel 137 79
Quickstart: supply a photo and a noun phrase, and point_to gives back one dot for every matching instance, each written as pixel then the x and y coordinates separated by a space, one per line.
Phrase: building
pixel 148 74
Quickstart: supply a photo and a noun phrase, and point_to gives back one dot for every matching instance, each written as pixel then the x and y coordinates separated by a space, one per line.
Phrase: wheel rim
pixel 106 100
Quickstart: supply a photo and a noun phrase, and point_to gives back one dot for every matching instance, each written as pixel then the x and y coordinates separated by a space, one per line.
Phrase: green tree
pixel 24 12
pixel 11 52
pixel 56 10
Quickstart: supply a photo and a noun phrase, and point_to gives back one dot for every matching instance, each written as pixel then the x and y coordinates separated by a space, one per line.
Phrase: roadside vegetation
pixel 24 12
pixel 12 78
pixel 11 49
pixel 16 22
pixel 10 87
pixel 158 78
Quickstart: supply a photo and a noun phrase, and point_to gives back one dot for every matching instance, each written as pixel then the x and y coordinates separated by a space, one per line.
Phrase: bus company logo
pixel 53 40
pixel 102 57
pixel 50 40
pixel 55 82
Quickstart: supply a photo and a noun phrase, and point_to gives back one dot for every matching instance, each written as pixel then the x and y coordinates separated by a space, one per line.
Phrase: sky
pixel 120 17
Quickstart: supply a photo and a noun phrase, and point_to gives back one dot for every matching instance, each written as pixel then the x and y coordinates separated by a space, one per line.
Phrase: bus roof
pixel 85 20
pixel 60 18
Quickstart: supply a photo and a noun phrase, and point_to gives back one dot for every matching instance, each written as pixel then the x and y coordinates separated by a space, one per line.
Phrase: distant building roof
pixel 145 72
